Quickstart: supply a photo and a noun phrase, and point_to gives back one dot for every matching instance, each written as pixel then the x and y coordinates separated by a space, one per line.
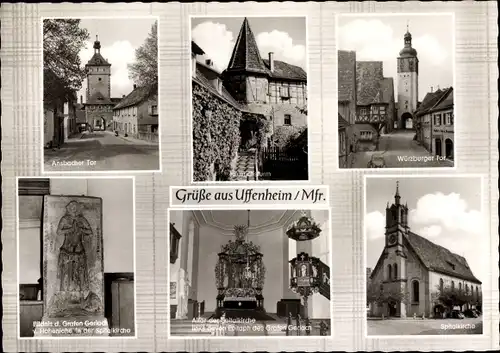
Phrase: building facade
pixel 365 102
pixel 273 88
pixel 346 107
pixel 98 105
pixel 442 123
pixel 436 118
pixel 414 274
pixel 137 114
pixel 374 104
pixel 407 84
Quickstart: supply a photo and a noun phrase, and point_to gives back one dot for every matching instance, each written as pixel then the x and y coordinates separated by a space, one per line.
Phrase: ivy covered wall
pixel 216 135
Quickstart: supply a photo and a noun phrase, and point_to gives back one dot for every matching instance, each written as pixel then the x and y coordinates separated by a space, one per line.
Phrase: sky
pixel 380 38
pixel 119 39
pixel 284 36
pixel 446 211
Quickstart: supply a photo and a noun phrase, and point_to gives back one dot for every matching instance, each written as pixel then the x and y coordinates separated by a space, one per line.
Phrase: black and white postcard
pixel 100 95
pixel 76 257
pixel 240 273
pixel 395 91
pixel 426 244
pixel 249 99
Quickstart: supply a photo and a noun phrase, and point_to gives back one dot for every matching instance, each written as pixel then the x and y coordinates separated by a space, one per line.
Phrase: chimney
pixel 219 85
pixel 271 61
pixel 432 89
pixel 209 62
pixel 135 86
pixel 123 96
pixel 81 99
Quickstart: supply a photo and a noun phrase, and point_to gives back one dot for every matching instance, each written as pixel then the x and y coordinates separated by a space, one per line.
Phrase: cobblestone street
pixel 399 150
pixel 102 151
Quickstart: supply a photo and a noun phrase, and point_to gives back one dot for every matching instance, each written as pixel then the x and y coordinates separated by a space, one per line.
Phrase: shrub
pixel 216 135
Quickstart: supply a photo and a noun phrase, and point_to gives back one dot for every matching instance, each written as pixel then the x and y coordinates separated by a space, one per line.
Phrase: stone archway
pixel 448 146
pixel 406 121
pixel 438 149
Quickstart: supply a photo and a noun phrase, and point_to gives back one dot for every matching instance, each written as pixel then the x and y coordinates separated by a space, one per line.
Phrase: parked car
pixel 83 126
pixel 470 313
pixel 456 314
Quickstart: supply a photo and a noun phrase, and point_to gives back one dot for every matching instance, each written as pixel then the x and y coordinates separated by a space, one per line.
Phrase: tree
pixel 450 297
pixel 62 71
pixel 385 295
pixel 144 72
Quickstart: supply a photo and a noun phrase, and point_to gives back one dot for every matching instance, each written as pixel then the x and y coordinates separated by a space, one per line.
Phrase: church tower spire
pixel 397 197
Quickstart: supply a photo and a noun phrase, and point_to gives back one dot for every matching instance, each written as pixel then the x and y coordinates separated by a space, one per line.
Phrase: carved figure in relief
pixel 303 270
pixel 72 261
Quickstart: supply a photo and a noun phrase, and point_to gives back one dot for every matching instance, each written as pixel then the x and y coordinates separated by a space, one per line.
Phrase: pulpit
pixel 240 274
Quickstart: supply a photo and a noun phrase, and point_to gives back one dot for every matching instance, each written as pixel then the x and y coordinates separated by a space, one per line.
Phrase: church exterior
pixel 413 274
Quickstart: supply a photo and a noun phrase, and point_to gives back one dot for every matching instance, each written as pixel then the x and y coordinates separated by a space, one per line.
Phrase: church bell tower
pixel 396 231
pixel 407 83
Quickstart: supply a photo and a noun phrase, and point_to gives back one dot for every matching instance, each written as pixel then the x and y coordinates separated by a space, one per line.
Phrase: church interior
pixel 109 266
pixel 249 272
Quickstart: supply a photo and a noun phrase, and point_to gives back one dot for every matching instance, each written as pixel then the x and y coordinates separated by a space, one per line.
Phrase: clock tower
pixel 396 231
pixel 396 221
pixel 407 83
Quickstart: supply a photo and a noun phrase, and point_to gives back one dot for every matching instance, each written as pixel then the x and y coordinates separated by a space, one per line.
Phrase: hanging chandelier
pixel 305 228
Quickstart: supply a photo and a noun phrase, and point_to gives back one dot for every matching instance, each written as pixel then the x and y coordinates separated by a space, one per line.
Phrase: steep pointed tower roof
pixel 397 197
pixel 246 56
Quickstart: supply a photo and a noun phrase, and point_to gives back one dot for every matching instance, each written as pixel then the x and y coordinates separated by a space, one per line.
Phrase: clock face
pixel 392 239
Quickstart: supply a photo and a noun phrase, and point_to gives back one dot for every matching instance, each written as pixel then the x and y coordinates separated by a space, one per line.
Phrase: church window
pixel 466 289
pixel 395 267
pixel 477 293
pixel 441 285
pixel 460 287
pixel 389 272
pixel 452 285
pixel 415 286
pixel 288 119
pixel 382 109
pixel 100 79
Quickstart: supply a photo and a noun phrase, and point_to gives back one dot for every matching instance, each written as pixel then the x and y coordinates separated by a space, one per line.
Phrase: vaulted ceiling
pixel 260 220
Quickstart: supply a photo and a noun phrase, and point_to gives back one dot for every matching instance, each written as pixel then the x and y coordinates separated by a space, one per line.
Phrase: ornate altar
pixel 240 274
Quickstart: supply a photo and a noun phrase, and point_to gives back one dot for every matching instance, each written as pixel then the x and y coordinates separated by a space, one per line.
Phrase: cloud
pixel 448 211
pixel 119 54
pixel 218 42
pixel 430 231
pixel 375 40
pixel 281 44
pixel 374 225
